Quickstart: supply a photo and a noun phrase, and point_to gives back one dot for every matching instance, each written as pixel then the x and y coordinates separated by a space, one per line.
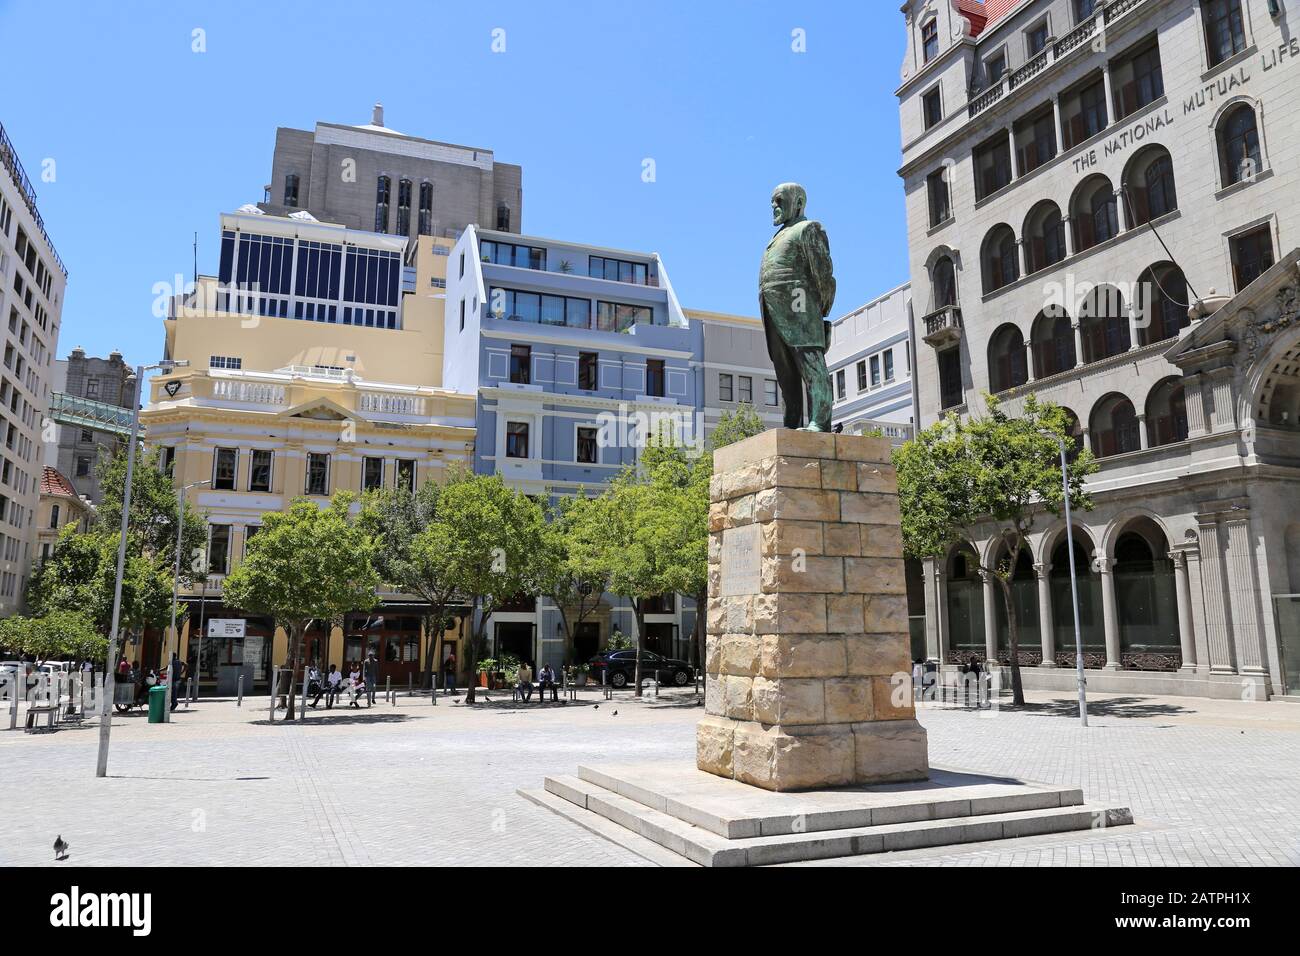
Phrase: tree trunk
pixel 640 642
pixel 471 653
pixel 295 637
pixel 430 651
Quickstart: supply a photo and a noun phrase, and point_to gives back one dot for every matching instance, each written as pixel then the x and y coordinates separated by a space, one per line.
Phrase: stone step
pixel 634 822
pixel 594 823
pixel 809 813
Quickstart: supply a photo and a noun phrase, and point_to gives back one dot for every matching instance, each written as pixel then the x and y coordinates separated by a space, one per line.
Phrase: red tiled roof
pixel 982 13
pixel 53 483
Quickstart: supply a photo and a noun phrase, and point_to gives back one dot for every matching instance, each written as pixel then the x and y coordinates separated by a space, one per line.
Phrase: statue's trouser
pixel 794 367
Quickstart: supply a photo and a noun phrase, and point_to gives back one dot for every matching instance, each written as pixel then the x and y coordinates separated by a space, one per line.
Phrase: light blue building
pixel 870 361
pixel 575 354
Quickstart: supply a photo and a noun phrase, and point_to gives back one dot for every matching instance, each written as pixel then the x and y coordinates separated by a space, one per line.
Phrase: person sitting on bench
pixel 545 681
pixel 525 684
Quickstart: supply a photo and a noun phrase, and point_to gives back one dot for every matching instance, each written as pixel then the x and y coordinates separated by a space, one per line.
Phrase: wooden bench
pixel 49 712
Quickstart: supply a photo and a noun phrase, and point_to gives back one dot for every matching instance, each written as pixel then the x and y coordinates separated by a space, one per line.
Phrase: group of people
pixel 145 677
pixel 545 681
pixel 332 685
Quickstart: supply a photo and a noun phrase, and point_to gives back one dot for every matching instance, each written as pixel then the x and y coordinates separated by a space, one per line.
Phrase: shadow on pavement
pixel 1107 707
pixel 353 718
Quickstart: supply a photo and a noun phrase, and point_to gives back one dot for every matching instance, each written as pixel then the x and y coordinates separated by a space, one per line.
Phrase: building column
pixel 1215 583
pixel 941 613
pixel 929 578
pixel 990 617
pixel 1186 631
pixel 1046 624
pixel 1109 613
pixel 1222 399
pixel 1247 633
pixel 1192 557
pixel 1022 256
pixel 1142 430
pixel 1195 404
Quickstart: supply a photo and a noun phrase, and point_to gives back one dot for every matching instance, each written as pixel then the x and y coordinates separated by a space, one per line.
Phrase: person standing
pixel 370 673
pixel 449 673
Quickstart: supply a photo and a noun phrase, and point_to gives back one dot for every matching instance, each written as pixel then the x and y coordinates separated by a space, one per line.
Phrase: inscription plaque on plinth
pixel 808 663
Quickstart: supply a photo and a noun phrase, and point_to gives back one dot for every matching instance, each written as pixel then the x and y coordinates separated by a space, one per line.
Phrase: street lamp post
pixel 106 710
pixel 174 658
pixel 1074 586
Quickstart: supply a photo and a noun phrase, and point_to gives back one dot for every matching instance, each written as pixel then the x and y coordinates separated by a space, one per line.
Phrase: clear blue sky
pixel 152 141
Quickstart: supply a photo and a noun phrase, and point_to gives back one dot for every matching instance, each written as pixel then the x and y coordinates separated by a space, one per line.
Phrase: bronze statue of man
pixel 796 289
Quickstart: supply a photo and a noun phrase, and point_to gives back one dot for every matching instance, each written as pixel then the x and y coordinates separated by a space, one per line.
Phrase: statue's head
pixel 788 201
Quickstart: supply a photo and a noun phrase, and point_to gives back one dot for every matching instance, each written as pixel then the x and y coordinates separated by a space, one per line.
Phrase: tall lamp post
pixel 1074 586
pixel 106 711
pixel 174 658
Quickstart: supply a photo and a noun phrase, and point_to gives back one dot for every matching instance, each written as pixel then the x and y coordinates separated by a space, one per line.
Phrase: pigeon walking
pixel 60 848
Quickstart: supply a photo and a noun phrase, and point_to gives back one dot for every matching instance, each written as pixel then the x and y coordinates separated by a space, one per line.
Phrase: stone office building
pixel 1102 210
pixel 82 449
pixel 376 179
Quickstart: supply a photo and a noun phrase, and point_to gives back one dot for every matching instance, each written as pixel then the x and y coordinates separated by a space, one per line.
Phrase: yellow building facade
pixel 272 407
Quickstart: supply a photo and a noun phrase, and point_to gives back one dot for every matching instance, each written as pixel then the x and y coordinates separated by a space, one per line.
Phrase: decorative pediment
pixel 321 410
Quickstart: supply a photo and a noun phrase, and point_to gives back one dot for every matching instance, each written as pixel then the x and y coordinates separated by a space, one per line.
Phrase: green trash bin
pixel 157 704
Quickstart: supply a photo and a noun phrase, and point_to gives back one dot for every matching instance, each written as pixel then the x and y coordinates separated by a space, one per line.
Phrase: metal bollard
pixel 410 685
pixel 433 687
pixel 304 694
pixel 388 690
pixel 12 680
pixel 656 683
pixel 239 701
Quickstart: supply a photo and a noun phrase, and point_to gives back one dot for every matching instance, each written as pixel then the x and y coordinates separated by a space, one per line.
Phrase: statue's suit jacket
pixel 797 258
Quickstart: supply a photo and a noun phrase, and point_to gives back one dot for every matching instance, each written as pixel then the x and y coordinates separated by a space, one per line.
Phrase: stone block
pixel 874 576
pixel 862 448
pixel 790 613
pixel 712 658
pixel 713 745
pixel 771 443
pixel 713 703
pixel 717 516
pixel 794 504
pixel 893 696
pixel 842 539
pixel 844 613
pixel 792 700
pixel 840 475
pixel 881 540
pixel 737 697
pixel 738 614
pixel 740 511
pixel 881 655
pixel 797 758
pixel 890 751
pixel 785 537
pixel 802 655
pixel 887 614
pixel 868 508
pixel 785 472
pixel 740 655
pixel 877 477
pixel 848 699
pixel 803 575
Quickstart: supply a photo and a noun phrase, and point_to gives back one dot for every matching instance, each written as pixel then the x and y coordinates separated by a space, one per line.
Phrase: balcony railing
pixel 252 393
pixel 1076 39
pixel 9 159
pixel 388 404
pixel 943 326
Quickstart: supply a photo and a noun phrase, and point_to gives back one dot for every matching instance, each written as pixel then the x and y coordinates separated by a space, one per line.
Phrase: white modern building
pixel 870 361
pixel 32 282
pixel 1102 210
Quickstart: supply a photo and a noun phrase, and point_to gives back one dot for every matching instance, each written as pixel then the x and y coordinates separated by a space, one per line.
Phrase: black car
pixel 619 668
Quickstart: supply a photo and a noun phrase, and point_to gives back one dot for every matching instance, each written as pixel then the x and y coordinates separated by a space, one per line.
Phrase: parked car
pixel 619 668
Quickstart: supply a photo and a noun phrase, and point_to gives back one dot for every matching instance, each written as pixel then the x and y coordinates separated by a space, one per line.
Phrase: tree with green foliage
pixel 412 557
pixel 152 528
pixel 566 569
pixel 999 469
pixel 306 564
pixel 61 633
pixel 490 535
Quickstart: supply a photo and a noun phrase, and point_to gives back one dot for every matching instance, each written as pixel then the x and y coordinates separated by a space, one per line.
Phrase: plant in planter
pixel 618 641
pixel 485 668
pixel 566 266
pixel 506 672
pixel 581 677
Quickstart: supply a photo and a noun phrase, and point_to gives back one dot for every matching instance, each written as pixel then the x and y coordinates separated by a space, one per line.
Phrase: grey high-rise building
pixel 377 179
pixel 81 449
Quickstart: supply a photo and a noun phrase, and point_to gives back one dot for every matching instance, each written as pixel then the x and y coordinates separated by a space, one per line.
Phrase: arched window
pixel 1162 303
pixel 1149 185
pixel 1095 213
pixel 1166 414
pixel 291 189
pixel 1238 137
pixel 1145 601
pixel 1114 427
pixel 1103 323
pixel 1052 339
pixel 404 207
pixel 965 604
pixel 1074 441
pixel 1044 236
pixel 1000 258
pixel 943 277
pixel 383 193
pixel 426 209
pixel 1007 365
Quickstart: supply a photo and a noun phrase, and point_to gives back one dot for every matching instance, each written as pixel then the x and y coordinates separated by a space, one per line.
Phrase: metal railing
pixel 87 413
pixel 9 159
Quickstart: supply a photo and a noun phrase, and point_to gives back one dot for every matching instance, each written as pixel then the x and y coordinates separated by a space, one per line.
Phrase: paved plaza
pixel 1209 782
